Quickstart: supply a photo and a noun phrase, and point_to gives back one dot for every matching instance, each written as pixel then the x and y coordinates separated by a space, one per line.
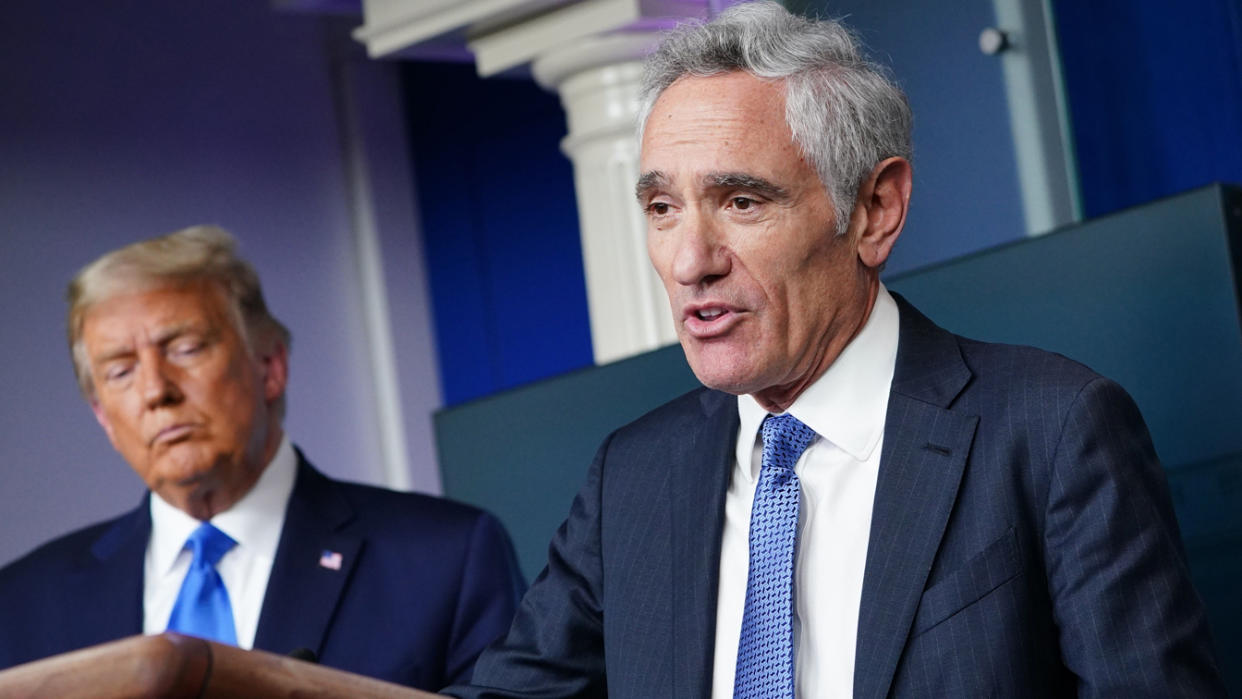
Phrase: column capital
pixel 503 34
pixel 590 52
pixel 552 69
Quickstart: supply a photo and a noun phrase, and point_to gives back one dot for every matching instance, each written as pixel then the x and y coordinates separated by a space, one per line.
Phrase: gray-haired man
pixel 859 503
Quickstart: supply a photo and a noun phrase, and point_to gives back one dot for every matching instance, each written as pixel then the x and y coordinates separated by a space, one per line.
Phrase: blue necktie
pixel 202 608
pixel 765 650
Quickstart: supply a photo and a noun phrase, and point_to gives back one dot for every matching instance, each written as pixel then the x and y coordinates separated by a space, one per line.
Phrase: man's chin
pixel 722 367
pixel 198 498
pixel 180 479
pixel 724 379
pixel 184 472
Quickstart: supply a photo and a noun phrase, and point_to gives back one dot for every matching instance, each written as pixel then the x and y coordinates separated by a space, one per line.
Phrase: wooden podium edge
pixel 168 665
pixel 175 666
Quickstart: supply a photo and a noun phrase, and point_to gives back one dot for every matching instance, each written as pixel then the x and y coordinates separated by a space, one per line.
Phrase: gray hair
pixel 845 112
pixel 198 253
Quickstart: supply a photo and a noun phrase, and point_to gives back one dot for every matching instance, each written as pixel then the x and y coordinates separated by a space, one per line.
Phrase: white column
pixel 1038 115
pixel 390 423
pixel 590 52
pixel 598 81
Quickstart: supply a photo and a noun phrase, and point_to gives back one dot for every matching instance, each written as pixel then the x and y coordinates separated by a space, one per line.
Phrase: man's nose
pixel 156 383
pixel 701 255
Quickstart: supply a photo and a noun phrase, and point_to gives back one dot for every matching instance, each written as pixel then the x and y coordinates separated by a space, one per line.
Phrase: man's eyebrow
pixel 648 181
pixel 162 336
pixel 168 334
pixel 113 353
pixel 742 180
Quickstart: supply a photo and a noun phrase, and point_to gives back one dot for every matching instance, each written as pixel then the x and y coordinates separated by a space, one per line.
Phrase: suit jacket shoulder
pixel 62 555
pixel 936 365
pixel 697 414
pixel 404 587
pixel 642 541
pixel 77 590
pixel 1023 541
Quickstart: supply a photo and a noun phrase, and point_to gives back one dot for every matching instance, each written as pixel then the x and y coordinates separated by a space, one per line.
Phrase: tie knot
pixel 784 440
pixel 209 544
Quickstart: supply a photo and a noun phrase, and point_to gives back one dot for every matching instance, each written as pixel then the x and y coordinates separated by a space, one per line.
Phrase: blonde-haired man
pixel 240 539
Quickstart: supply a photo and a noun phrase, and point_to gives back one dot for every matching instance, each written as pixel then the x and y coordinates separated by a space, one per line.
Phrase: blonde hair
pixel 195 254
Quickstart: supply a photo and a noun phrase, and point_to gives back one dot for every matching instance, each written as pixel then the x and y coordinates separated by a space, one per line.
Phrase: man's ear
pixel 880 210
pixel 274 365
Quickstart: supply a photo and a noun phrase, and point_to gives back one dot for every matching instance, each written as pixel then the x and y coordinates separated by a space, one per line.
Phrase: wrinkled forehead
pixel 725 123
pixel 151 312
pixel 737 89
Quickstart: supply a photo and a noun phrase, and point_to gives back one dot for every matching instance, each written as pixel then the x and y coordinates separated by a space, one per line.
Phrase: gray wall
pixel 123 120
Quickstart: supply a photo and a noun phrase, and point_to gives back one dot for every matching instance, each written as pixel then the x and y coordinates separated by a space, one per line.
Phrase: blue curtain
pixel 500 229
pixel 1155 96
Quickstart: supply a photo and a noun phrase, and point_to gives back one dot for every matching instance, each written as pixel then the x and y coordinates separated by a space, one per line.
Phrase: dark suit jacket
pixel 1022 544
pixel 425 584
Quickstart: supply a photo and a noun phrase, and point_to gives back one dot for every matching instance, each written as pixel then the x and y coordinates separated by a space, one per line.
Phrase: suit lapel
pixel 113 575
pixel 925 449
pixel 313 564
pixel 701 464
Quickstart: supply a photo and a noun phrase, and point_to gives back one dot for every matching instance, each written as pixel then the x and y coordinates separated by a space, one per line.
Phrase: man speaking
pixel 240 539
pixel 859 504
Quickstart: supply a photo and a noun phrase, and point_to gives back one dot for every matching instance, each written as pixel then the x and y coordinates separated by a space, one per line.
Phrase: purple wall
pixel 129 119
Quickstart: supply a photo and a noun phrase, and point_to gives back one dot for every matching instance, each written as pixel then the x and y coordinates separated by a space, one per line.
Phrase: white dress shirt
pixel 254 522
pixel 846 408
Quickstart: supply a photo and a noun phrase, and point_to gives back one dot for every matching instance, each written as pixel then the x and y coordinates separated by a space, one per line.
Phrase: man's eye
pixel 187 348
pixel 116 372
pixel 743 203
pixel 657 208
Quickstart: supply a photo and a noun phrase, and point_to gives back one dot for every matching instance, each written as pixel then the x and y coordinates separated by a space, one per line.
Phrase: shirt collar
pixel 847 405
pixel 253 522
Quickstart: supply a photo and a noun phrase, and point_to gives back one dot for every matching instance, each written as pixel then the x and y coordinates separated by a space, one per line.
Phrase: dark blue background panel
pixel 1155 96
pixel 500 229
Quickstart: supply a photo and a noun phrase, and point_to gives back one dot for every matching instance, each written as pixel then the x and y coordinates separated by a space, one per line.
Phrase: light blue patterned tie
pixel 202 608
pixel 765 650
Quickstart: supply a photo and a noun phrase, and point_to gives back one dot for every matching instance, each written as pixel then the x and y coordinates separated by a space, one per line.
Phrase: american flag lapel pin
pixel 331 560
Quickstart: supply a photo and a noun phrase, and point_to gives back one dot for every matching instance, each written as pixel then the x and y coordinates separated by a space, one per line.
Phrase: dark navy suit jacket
pixel 1022 544
pixel 424 584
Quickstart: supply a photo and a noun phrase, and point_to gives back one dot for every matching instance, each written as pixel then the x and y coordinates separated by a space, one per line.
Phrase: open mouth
pixel 710 321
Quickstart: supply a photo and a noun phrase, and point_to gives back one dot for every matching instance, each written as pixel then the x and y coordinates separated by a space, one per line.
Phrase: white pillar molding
pixel 394 448
pixel 598 80
pixel 1038 115
pixel 590 52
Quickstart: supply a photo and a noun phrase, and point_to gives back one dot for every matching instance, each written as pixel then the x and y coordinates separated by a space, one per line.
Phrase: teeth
pixel 711 314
